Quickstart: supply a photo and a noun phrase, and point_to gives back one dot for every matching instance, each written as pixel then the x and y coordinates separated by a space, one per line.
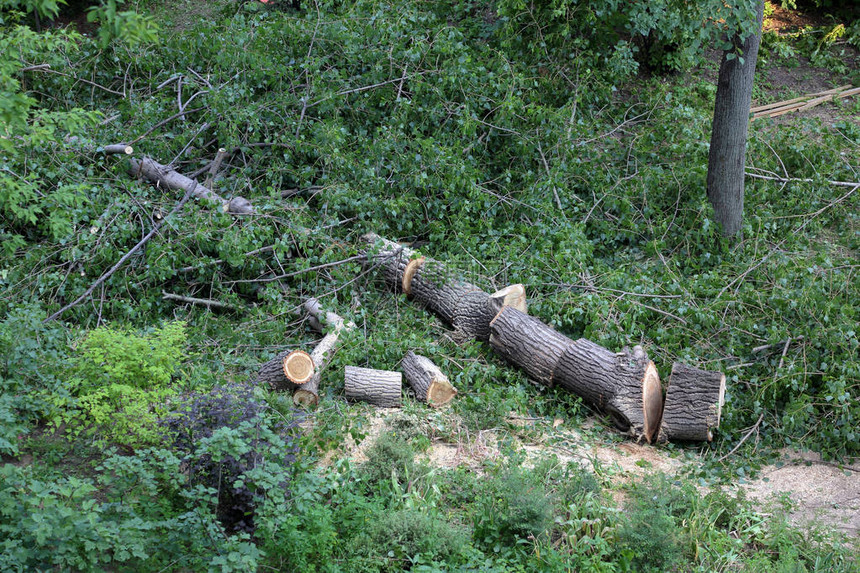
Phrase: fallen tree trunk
pixel 165 177
pixel 378 387
pixel 694 403
pixel 431 386
pixel 458 302
pixel 626 385
pixel 528 343
pixel 307 395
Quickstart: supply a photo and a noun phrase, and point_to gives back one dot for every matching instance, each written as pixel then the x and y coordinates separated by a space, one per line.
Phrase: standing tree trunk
pixel 729 133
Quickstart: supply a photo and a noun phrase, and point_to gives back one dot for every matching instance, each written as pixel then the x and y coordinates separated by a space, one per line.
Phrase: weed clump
pixel 390 457
pixel 513 509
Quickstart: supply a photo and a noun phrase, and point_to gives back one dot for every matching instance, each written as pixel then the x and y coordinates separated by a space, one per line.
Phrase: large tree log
pixel 694 403
pixel 431 386
pixel 528 343
pixel 307 395
pixel 163 176
pixel 458 302
pixel 624 384
pixel 379 387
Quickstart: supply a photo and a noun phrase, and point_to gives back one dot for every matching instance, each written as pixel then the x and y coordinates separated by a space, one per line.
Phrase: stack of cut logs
pixel 625 385
pixel 298 372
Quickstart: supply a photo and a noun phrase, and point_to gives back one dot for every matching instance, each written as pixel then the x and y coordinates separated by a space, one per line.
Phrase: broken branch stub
pixel 431 386
pixel 694 403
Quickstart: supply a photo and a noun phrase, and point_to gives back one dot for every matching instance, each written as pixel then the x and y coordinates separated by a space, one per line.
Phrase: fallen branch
pixel 308 394
pixel 798 180
pixel 124 258
pixel 431 386
pixel 165 177
pixel 208 303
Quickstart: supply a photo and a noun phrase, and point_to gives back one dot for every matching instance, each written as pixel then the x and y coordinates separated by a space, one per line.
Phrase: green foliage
pixel 390 459
pixel 122 381
pixel 512 511
pixel 125 26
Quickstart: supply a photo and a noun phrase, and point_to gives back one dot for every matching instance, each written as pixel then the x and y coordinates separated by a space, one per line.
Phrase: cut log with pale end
pixel 298 366
pixel 378 387
pixel 429 383
pixel 624 384
pixel 271 374
pixel 528 343
pixel 118 149
pixel 307 395
pixel 694 403
pixel 165 177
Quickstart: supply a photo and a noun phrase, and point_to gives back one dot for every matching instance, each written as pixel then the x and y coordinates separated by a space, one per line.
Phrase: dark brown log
pixel 298 366
pixel 694 403
pixel 473 314
pixel 429 383
pixel 165 177
pixel 626 385
pixel 271 374
pixel 307 395
pixel 528 343
pixel 378 387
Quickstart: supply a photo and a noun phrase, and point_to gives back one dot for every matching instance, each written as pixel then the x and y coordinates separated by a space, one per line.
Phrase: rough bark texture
pixel 729 133
pixel 163 176
pixel 307 395
pixel 694 402
pixel 473 314
pixel 625 384
pixel 529 343
pixel 378 387
pixel 429 383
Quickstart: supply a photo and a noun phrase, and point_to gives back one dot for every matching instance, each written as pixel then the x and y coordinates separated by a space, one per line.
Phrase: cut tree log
pixel 298 366
pixel 307 395
pixel 624 384
pixel 273 375
pixel 431 386
pixel 458 302
pixel 528 343
pixel 165 177
pixel 378 387
pixel 694 403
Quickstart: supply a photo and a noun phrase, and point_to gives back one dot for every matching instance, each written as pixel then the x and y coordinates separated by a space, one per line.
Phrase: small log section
pixel 459 303
pixel 165 177
pixel 307 395
pixel 624 384
pixel 298 366
pixel 528 343
pixel 378 387
pixel 431 386
pixel 694 403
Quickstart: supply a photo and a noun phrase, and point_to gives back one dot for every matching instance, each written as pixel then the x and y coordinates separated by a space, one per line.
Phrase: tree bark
pixel 165 177
pixel 378 387
pixel 458 302
pixel 431 386
pixel 626 385
pixel 729 132
pixel 694 403
pixel 307 395
pixel 528 343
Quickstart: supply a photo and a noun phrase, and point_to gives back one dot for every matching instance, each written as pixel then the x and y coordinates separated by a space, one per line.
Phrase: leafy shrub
pixel 122 381
pixel 390 457
pixel 512 510
pixel 227 441
pixel 649 531
pixel 403 538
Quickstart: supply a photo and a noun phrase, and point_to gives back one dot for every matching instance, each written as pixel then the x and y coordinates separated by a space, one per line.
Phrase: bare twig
pixel 744 439
pixel 208 303
pixel 47 68
pixel 301 272
pixel 122 260
pixel 854 184
pixel 161 123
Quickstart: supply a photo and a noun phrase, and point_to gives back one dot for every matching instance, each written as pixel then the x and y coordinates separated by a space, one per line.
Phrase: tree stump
pixel 626 385
pixel 529 343
pixel 378 387
pixel 429 383
pixel 694 403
